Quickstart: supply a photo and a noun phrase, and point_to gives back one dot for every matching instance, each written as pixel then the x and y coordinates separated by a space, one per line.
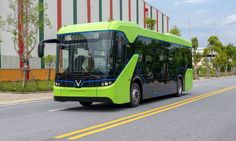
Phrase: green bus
pixel 118 62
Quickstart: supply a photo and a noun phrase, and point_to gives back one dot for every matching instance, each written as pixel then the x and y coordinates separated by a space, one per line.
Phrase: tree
pixel 176 31
pixel 150 23
pixel 215 48
pixel 196 55
pixel 29 23
pixel 230 51
pixel 49 61
pixel 2 23
pixel 233 61
pixel 206 51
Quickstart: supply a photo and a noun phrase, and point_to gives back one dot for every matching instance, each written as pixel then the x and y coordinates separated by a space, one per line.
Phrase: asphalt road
pixel 207 113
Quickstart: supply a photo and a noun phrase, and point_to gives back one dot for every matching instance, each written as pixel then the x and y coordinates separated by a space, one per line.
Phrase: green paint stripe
pixel 188 80
pixel 41 28
pixel 151 12
pixel 0 56
pixel 75 11
pixel 100 10
pixel 41 18
pixel 137 10
pixel 121 10
pixel 163 23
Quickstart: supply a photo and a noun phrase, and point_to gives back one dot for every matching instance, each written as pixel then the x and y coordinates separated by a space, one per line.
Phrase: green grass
pixel 31 86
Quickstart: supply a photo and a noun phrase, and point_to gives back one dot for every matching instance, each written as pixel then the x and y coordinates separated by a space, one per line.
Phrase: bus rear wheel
pixel 179 88
pixel 135 95
pixel 86 104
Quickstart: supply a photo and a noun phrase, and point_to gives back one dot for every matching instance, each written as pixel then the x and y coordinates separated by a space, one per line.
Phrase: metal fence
pixel 12 62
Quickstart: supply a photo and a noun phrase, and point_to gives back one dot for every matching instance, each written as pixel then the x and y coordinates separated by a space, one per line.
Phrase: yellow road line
pixel 113 121
pixel 143 116
pixel 120 119
pixel 131 118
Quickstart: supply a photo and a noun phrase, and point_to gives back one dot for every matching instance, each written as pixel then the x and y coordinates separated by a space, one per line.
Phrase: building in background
pixel 65 12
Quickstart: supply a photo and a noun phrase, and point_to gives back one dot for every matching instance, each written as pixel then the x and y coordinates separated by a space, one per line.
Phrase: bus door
pixel 162 73
pixel 162 65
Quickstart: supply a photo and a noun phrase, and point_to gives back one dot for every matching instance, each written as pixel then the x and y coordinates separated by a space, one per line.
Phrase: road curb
pixel 12 103
pixel 13 99
pixel 212 78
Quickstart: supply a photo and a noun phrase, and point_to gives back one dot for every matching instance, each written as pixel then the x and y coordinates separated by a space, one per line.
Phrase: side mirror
pixel 41 49
pixel 41 46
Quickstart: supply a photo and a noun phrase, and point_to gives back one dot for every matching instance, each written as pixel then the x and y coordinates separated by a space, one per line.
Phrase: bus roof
pixel 131 30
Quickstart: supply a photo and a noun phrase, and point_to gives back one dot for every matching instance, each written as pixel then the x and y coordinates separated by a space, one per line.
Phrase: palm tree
pixel 176 31
pixel 196 56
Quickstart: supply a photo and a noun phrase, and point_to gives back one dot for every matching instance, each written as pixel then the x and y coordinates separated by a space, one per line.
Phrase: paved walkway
pixel 212 78
pixel 13 98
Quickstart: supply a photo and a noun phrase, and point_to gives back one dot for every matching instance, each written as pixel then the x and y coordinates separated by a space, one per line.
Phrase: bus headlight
pixel 106 83
pixel 97 83
pixel 56 83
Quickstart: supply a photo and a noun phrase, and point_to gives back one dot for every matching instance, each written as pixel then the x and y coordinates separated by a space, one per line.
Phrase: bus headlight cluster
pixel 56 83
pixel 107 83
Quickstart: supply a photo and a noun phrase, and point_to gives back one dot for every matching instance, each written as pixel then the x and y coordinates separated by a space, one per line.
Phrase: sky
pixel 201 18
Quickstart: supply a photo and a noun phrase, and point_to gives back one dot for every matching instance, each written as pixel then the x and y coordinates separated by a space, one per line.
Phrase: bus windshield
pixel 89 52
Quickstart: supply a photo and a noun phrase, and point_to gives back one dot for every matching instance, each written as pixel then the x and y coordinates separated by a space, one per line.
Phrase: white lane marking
pixel 58 109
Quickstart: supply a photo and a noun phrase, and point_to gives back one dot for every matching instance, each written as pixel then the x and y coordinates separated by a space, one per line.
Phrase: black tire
pixel 135 95
pixel 86 104
pixel 179 88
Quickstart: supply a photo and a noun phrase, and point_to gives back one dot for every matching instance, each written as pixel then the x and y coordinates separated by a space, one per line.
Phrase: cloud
pixel 202 18
pixel 190 2
pixel 230 20
pixel 226 21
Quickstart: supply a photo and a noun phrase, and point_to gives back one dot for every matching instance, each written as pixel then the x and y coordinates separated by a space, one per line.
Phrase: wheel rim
pixel 135 95
pixel 180 87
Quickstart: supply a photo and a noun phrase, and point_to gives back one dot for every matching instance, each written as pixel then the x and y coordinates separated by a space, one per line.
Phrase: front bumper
pixel 96 94
pixel 82 99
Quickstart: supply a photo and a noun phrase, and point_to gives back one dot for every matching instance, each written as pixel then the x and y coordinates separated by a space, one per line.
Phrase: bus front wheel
pixel 135 95
pixel 86 104
pixel 179 88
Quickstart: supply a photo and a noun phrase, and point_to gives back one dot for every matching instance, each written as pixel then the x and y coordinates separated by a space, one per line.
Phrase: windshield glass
pixel 89 52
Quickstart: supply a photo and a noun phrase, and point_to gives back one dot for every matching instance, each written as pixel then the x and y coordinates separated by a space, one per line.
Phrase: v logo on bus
pixel 68 38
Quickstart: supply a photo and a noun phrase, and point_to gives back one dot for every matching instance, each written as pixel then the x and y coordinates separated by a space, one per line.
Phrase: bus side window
pixel 139 48
pixel 158 62
pixel 172 64
pixel 187 57
pixel 119 49
pixel 121 44
pixel 178 56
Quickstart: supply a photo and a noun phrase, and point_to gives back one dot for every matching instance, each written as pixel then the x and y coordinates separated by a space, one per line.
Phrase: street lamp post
pixel 231 71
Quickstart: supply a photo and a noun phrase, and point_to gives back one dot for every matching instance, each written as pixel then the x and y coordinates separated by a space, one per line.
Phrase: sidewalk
pixel 14 98
pixel 212 78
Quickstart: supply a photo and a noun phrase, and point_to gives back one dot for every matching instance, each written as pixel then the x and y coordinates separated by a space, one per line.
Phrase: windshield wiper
pixel 92 75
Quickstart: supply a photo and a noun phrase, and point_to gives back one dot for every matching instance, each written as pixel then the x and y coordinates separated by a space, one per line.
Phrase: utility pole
pixel 190 28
